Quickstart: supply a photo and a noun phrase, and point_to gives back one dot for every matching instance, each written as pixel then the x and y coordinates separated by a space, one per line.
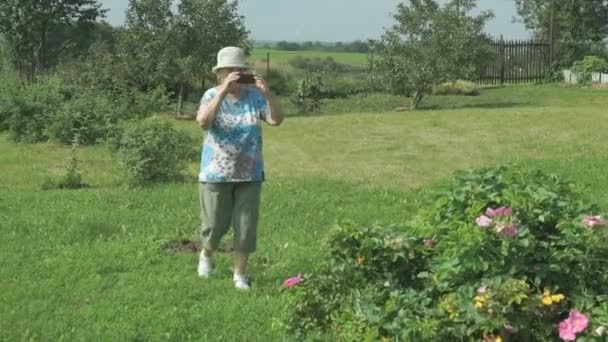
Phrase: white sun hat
pixel 231 57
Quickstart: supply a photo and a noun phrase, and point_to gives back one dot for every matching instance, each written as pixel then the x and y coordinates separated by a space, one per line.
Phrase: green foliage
pixel 309 93
pixel 151 150
pixel 26 26
pixel 279 82
pixel 430 45
pixel 357 46
pixel 72 178
pixel 86 115
pixel 588 65
pixel 32 109
pixel 578 26
pixel 456 88
pixel 147 48
pixel 447 275
pixel 132 103
pixel 51 109
pixel 318 64
pixel 8 87
pixel 337 86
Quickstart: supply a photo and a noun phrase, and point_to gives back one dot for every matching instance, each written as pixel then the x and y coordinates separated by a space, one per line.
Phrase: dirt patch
pixel 188 247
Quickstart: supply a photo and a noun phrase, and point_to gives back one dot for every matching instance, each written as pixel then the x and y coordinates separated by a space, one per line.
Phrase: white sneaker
pixel 241 282
pixel 205 267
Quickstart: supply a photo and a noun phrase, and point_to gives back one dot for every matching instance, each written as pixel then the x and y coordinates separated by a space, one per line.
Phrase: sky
pixel 334 20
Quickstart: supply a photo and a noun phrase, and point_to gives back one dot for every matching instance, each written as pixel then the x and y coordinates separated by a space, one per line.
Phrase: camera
pixel 246 79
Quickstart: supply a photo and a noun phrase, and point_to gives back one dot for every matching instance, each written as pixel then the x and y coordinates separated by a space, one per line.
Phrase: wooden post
pixel 502 60
pixel 551 32
pixel 267 64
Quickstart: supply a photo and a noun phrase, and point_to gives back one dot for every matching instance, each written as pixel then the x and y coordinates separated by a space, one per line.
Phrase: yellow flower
pixel 547 300
pixel 546 292
pixel 557 298
pixel 478 305
pixel 498 339
pixel 480 298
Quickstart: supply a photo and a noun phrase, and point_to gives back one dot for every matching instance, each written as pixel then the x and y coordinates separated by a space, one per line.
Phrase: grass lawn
pixel 89 264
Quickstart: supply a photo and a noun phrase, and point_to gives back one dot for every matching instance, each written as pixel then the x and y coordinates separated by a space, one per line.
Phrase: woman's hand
pixel 262 86
pixel 229 82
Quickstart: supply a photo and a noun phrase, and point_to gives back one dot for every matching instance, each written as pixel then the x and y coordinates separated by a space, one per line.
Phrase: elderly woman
pixel 232 167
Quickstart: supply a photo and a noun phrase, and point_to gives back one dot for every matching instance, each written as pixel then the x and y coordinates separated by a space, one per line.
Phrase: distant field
pixel 280 58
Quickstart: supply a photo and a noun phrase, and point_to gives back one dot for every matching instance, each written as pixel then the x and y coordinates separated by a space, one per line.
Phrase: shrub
pixel 500 254
pixel 588 65
pixel 309 94
pixel 87 115
pixel 318 64
pixel 456 88
pixel 72 178
pixel 32 109
pixel 338 87
pixel 132 103
pixel 8 87
pixel 151 150
pixel 280 83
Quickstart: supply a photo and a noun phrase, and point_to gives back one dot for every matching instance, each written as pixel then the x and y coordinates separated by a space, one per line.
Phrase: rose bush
pixel 502 254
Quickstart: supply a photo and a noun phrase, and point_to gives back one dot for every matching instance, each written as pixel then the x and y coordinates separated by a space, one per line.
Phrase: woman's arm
pixel 206 113
pixel 275 116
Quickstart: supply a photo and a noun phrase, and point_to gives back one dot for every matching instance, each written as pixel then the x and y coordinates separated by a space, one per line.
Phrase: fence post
pixel 267 63
pixel 502 60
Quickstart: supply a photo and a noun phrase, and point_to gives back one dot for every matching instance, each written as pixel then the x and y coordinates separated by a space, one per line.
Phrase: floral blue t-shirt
pixel 232 150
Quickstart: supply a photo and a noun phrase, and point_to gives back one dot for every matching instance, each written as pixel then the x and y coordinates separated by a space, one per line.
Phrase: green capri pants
pixel 223 204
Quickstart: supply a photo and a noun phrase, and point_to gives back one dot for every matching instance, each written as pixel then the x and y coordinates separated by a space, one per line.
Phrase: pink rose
pixel 594 221
pixel 502 211
pixel 578 321
pixel 490 212
pixel 574 324
pixel 565 331
pixel 511 231
pixel 483 221
pixel 293 281
pixel 511 329
pixel 482 290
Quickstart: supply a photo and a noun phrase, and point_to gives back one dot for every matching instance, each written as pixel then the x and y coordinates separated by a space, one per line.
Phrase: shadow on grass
pixel 488 105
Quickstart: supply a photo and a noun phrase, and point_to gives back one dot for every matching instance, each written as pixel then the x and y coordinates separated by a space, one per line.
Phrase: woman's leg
pixel 245 221
pixel 216 201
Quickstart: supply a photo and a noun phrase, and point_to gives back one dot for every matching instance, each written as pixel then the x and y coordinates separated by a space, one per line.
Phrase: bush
pixel 588 65
pixel 341 88
pixel 87 115
pixel 32 109
pixel 280 83
pixel 318 64
pixel 309 93
pixel 151 150
pixel 132 103
pixel 8 87
pixel 72 178
pixel 500 254
pixel 456 88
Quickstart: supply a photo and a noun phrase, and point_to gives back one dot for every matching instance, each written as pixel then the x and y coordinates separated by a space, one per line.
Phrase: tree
pixel 203 27
pixel 430 45
pixel 577 25
pixel 147 48
pixel 26 24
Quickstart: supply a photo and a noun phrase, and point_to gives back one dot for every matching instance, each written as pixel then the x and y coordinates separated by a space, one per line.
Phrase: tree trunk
pixel 180 100
pixel 416 99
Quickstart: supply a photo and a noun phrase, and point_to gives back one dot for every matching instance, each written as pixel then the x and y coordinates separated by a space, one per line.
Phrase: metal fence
pixel 517 61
